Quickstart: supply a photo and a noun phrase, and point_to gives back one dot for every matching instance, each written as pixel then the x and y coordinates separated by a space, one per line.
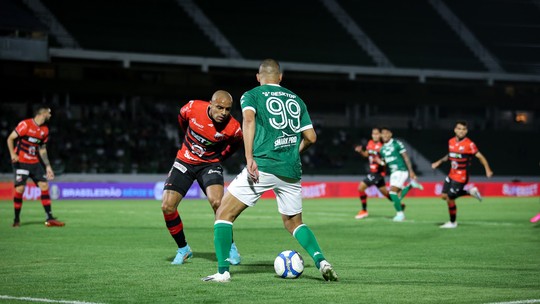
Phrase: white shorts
pixel 288 192
pixel 398 179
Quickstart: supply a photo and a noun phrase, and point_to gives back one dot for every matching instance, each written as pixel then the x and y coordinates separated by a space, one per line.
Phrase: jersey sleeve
pixel 401 147
pixel 247 102
pixel 305 120
pixel 22 128
pixel 473 148
pixel 46 138
pixel 184 115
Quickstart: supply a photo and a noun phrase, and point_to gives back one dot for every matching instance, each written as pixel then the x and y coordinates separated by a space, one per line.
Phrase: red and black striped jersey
pixel 373 149
pixel 460 154
pixel 204 140
pixel 31 136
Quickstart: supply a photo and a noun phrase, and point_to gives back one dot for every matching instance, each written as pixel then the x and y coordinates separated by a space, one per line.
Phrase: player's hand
pixel 253 170
pixel 435 165
pixel 15 159
pixel 50 173
pixel 489 173
pixel 412 175
pixel 358 148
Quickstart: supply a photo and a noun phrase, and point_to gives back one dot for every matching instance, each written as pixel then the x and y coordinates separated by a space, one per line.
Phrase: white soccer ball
pixel 289 264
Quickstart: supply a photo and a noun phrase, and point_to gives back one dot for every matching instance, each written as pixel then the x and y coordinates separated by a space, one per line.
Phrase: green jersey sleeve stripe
pixel 249 108
pixel 305 128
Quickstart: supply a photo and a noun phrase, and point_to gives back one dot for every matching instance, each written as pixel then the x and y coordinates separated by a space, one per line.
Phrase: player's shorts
pixel 182 176
pixel 23 171
pixel 374 179
pixel 288 191
pixel 398 179
pixel 452 188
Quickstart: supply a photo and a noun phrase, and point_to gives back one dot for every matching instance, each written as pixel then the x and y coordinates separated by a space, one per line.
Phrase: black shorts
pixel 452 188
pixel 23 171
pixel 374 179
pixel 182 176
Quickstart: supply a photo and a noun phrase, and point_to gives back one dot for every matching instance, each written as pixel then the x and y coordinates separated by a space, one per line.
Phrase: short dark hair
pixel 461 122
pixel 39 109
pixel 385 128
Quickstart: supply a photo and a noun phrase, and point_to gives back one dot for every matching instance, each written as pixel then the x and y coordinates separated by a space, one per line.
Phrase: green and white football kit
pixel 391 154
pixel 280 118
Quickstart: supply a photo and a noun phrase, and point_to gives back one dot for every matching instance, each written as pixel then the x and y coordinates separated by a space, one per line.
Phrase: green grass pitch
pixel 120 252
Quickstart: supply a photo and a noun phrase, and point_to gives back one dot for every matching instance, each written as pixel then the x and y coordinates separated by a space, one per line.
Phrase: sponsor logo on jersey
pixel 34 140
pixel 285 140
pixel 194 121
pixel 188 156
pixel 288 95
pixel 455 155
pixel 199 138
pixel 197 150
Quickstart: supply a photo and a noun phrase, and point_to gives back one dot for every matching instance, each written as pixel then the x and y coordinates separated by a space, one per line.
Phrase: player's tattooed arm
pixel 45 158
pixel 11 146
pixel 409 165
pixel 436 164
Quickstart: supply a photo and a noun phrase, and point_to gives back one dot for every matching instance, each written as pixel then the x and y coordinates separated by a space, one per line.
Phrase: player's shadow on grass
pixel 254 267
pixel 31 223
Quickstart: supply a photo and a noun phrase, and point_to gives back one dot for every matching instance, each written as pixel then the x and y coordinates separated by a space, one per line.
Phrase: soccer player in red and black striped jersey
pixel 460 153
pixel 376 171
pixel 211 136
pixel 27 146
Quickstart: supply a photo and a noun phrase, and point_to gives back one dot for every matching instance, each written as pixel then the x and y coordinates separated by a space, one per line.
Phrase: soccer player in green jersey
pixel 277 128
pixel 394 155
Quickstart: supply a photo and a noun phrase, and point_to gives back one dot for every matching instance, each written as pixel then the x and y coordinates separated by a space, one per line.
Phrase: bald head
pixel 269 72
pixel 220 106
pixel 221 95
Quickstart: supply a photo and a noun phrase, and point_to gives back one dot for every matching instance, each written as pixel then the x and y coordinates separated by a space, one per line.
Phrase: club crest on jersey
pixel 219 136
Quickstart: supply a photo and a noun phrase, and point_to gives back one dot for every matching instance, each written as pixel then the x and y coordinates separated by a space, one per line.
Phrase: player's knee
pixel 452 196
pixel 43 186
pixel 19 189
pixel 168 206
pixel 215 203
pixel 444 196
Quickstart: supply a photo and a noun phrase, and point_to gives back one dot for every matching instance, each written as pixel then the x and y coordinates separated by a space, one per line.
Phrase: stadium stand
pixel 412 35
pixel 161 27
pixel 510 29
pixel 298 31
pixel 92 132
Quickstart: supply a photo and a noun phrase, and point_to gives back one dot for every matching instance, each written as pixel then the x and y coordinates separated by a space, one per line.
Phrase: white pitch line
pixel 4 297
pixel 518 302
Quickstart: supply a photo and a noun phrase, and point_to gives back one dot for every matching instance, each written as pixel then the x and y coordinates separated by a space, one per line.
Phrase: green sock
pixel 307 239
pixel 396 201
pixel 222 243
pixel 404 192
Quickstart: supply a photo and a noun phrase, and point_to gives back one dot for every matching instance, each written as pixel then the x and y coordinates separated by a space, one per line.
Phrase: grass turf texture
pixel 120 252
